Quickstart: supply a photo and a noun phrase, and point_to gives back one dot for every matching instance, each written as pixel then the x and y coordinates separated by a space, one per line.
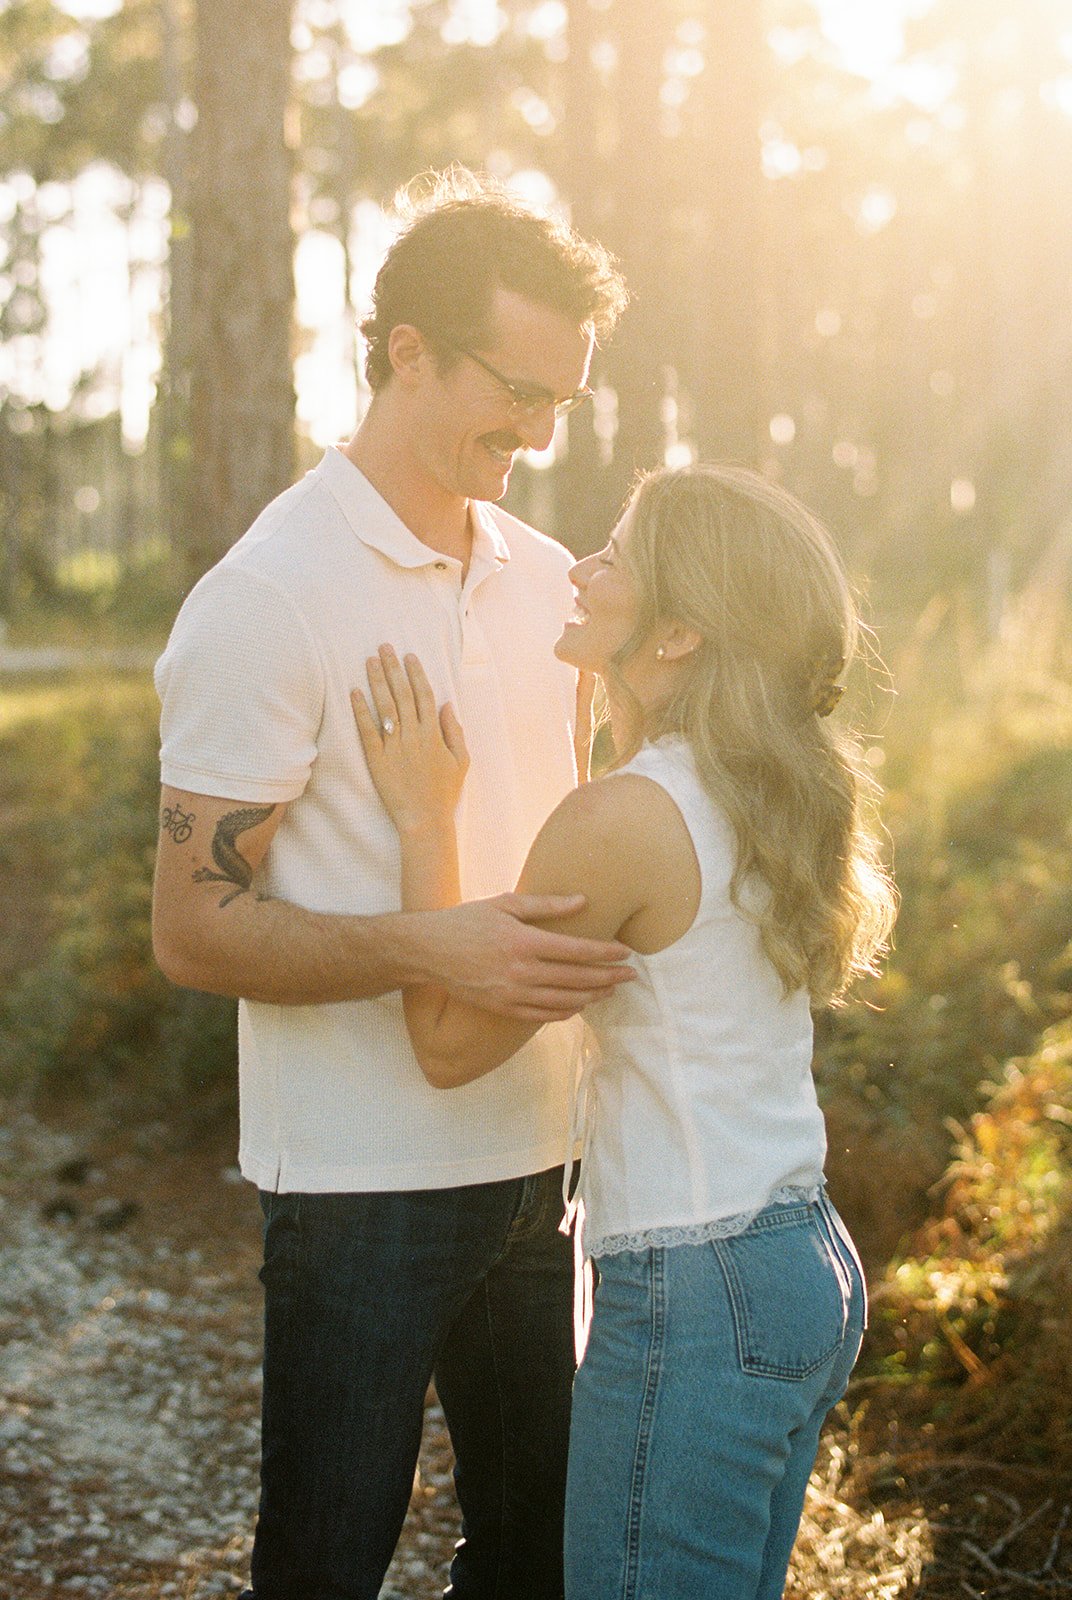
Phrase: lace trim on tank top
pixel 700 1232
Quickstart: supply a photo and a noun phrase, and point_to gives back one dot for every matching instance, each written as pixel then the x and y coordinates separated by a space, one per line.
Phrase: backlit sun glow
pixel 104 283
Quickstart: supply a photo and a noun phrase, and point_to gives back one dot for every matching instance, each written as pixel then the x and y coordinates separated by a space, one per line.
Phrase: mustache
pixel 504 441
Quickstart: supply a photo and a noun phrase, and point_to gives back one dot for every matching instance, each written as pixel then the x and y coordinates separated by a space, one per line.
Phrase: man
pixel 408 1232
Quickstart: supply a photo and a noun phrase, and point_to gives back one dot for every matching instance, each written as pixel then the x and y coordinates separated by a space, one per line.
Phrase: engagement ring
pixel 388 725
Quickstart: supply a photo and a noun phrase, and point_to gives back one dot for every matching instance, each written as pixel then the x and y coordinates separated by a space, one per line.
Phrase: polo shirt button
pixel 441 566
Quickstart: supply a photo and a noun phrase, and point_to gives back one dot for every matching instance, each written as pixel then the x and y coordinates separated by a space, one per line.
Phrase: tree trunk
pixel 723 307
pixel 173 390
pixel 582 496
pixel 637 234
pixel 242 390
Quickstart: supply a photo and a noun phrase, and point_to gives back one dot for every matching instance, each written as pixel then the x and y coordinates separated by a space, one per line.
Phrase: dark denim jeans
pixel 368 1295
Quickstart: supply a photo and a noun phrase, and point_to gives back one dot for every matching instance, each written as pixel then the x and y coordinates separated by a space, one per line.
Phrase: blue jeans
pixel 368 1295
pixel 698 1405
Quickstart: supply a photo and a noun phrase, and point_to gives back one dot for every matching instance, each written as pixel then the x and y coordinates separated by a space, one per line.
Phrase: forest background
pixel 847 233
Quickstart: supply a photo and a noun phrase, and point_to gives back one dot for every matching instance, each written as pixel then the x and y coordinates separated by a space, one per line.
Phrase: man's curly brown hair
pixel 463 238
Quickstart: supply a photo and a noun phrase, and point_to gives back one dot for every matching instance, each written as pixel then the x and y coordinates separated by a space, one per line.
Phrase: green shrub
pixel 982 828
pixel 92 1007
pixel 983 961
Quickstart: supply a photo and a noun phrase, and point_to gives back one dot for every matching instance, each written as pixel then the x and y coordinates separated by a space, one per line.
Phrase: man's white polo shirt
pixel 255 685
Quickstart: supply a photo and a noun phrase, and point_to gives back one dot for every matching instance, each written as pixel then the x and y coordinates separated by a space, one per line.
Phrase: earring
pixel 660 654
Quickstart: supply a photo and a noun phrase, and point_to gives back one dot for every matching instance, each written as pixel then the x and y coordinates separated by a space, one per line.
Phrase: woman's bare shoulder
pixel 614 808
pixel 620 841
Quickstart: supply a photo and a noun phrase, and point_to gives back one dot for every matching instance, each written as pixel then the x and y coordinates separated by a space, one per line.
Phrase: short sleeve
pixel 241 687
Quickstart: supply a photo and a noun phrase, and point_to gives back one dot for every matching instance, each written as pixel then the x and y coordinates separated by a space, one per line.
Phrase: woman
pixel 728 850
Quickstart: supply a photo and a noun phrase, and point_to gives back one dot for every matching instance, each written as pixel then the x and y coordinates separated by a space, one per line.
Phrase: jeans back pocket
pixel 789 1294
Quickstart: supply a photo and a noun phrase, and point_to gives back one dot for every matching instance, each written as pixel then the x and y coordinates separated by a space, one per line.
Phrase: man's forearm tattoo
pixel 178 823
pixel 233 867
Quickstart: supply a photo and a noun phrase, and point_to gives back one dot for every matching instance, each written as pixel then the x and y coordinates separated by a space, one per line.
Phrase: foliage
pixel 90 1011
pixel 982 961
pixel 96 602
pixel 976 761
pixel 975 1310
pixel 973 1041
pixel 78 92
pixel 427 104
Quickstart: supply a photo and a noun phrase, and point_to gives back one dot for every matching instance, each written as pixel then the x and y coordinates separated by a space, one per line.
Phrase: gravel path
pixel 130 1377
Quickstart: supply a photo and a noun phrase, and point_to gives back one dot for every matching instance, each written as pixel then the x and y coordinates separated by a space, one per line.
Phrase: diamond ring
pixel 388 725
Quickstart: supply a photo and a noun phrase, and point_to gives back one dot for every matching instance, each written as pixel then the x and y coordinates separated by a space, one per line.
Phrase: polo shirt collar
pixel 489 543
pixel 376 525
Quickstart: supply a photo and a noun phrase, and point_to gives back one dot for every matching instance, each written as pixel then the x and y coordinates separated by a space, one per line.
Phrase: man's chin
pixel 489 489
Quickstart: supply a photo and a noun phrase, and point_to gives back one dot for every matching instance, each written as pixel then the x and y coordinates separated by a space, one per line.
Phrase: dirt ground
pixel 130 1374
pixel 129 1395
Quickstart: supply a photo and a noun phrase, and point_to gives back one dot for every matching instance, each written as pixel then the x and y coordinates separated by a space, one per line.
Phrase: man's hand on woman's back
pixel 491 954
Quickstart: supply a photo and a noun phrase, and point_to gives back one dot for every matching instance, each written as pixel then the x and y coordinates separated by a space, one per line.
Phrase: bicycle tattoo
pixel 177 823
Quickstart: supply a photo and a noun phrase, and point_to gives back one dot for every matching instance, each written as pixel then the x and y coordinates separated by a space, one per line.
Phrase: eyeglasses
pixel 526 402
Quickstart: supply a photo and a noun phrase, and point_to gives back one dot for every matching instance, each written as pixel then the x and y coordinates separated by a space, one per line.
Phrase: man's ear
pixel 406 351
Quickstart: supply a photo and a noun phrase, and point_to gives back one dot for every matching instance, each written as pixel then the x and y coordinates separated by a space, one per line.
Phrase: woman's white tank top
pixel 697 1104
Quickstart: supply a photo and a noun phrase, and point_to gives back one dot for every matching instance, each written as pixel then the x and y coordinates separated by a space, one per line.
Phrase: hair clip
pixel 826 698
pixel 823 691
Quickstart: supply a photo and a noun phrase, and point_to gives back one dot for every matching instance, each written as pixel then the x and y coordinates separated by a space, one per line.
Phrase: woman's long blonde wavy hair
pixel 747 567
